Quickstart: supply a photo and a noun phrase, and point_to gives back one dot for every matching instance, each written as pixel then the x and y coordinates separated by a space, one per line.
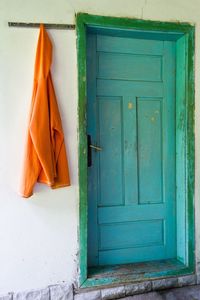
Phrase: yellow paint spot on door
pixel 130 105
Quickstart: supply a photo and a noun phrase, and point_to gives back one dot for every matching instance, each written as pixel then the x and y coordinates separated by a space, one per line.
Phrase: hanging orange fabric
pixel 45 156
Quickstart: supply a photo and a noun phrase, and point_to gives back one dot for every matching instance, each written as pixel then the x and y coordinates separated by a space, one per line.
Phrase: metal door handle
pixel 90 147
pixel 89 157
pixel 97 148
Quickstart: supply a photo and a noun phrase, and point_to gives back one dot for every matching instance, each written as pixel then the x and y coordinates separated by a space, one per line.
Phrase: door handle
pixel 89 157
pixel 97 148
pixel 90 147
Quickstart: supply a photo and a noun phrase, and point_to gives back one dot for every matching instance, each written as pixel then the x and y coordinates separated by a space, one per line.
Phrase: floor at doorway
pixel 185 293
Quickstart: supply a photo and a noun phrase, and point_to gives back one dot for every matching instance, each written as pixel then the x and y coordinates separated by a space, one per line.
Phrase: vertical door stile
pixel 169 146
pixel 92 120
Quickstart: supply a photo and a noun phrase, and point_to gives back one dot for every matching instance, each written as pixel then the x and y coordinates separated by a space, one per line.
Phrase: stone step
pixel 156 289
pixel 185 293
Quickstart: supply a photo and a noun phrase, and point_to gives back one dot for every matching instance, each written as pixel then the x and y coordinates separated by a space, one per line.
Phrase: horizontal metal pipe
pixel 46 25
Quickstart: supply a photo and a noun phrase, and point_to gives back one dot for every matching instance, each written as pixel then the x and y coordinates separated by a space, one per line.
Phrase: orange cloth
pixel 45 156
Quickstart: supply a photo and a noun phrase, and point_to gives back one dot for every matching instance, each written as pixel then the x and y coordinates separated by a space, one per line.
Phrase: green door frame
pixel 183 34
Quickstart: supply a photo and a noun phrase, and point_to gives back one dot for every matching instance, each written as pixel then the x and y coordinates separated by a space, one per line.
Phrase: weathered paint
pixel 131 202
pixel 81 46
pixel 140 273
pixel 84 20
pixel 129 23
pixel 180 149
pixel 190 144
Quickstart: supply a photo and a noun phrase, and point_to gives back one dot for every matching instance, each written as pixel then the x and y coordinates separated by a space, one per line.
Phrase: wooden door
pixel 131 176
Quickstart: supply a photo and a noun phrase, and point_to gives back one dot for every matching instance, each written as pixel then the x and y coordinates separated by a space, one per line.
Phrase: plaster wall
pixel 38 237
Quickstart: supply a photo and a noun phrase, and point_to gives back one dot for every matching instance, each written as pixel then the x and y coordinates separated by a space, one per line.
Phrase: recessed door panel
pixel 110 138
pixel 128 234
pixel 135 67
pixel 149 133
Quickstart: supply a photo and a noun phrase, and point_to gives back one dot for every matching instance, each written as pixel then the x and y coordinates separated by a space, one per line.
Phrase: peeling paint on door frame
pixel 188 31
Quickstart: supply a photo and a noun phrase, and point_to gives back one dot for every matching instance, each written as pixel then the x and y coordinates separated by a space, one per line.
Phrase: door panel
pixel 130 255
pixel 128 45
pixel 131 182
pixel 135 67
pixel 115 235
pixel 149 132
pixel 129 149
pixel 110 139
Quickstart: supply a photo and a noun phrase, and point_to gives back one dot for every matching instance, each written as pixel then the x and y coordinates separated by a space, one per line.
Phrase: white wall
pixel 38 237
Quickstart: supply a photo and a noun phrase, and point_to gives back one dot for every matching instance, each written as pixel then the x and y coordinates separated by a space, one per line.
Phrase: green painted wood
pixel 82 150
pixel 126 88
pixel 128 213
pixel 135 66
pixel 180 150
pixel 135 273
pixel 111 159
pixel 92 175
pixel 144 127
pixel 110 257
pixel 169 148
pixel 138 268
pixel 150 148
pixel 113 280
pixel 115 235
pixel 190 145
pixel 116 45
pixel 127 23
pixel 130 151
pixel 138 34
pixel 169 31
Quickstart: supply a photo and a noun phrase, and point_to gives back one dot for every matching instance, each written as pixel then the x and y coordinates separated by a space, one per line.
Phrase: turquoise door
pixel 131 173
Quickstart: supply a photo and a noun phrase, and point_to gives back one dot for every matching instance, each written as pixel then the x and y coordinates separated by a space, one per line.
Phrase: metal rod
pixel 95 147
pixel 46 25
